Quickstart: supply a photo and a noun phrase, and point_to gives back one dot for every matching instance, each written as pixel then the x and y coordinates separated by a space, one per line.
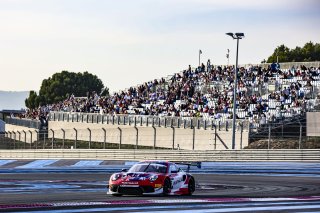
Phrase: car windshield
pixel 148 167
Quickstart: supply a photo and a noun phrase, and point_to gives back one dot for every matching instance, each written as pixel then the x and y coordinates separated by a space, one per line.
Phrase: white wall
pixel 203 140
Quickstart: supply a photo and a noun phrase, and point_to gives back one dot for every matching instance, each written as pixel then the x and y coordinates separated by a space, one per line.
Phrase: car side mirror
pixel 124 170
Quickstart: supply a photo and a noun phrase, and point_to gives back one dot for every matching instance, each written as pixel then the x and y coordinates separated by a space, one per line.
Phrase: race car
pixel 153 177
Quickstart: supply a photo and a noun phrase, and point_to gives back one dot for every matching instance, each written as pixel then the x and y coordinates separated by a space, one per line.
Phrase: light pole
pixel 200 52
pixel 228 55
pixel 237 36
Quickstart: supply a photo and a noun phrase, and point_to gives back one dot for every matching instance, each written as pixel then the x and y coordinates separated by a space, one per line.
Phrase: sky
pixel 129 42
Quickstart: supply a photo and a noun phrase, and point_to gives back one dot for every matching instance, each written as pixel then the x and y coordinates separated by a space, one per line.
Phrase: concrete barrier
pixel 170 155
pixel 21 133
pixel 163 137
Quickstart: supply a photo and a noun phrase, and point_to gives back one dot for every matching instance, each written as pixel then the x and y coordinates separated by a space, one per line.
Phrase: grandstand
pixel 208 92
pixel 204 95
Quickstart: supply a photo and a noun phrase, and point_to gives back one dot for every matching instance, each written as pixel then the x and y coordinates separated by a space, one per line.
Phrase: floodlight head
pixel 230 34
pixel 239 35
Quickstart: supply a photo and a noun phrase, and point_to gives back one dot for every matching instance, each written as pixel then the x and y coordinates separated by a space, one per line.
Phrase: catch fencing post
pixel 64 137
pixel 51 139
pixel 76 138
pixel 25 139
pixel 241 129
pixel 193 137
pixel 20 138
pixel 269 136
pixel 44 138
pixel 120 141
pixel 9 132
pixel 215 134
pixel 154 137
pixel 14 139
pixel 173 136
pixel 37 138
pixel 89 137
pixel 30 138
pixel 137 136
pixel 104 138
pixel 300 136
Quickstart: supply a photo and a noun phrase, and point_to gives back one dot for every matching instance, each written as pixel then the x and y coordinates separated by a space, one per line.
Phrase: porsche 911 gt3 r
pixel 152 177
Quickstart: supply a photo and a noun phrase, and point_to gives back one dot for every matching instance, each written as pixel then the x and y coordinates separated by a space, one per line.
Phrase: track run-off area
pixel 81 186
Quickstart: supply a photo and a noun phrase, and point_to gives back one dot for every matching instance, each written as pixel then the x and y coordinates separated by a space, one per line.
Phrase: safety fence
pixel 121 137
pixel 170 155
pixel 144 120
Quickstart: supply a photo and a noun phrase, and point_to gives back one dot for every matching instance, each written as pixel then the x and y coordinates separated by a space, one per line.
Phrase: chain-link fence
pixel 286 134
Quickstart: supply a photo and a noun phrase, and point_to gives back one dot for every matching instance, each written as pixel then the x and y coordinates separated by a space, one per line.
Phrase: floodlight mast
pixel 235 36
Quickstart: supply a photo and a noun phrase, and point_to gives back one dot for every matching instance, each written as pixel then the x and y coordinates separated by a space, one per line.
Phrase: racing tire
pixel 191 186
pixel 166 187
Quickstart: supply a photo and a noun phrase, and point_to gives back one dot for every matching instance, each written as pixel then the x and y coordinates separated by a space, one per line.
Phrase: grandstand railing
pixel 24 122
pixel 145 120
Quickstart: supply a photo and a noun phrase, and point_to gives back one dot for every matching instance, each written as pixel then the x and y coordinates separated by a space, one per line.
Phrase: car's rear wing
pixel 189 164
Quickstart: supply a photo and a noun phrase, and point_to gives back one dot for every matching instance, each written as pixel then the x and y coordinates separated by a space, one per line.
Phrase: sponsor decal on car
pixel 130 183
pixel 157 185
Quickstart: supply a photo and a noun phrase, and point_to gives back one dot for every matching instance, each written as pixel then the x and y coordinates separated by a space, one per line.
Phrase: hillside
pixel 12 100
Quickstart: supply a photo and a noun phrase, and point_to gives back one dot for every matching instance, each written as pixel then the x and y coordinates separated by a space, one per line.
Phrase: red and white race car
pixel 153 177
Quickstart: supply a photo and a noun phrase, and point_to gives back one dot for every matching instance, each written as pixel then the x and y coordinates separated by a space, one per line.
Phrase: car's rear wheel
pixel 191 186
pixel 166 187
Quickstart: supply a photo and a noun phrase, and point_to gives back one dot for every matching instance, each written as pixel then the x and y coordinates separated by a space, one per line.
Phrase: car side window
pixel 174 168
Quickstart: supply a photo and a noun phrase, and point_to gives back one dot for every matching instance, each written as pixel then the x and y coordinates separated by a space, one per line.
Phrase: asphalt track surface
pixel 74 191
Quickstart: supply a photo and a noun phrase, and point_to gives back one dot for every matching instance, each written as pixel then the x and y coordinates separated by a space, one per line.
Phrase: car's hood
pixel 135 176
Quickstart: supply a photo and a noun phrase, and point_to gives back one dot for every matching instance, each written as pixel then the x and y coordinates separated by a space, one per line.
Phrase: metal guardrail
pixel 23 122
pixel 170 155
pixel 145 120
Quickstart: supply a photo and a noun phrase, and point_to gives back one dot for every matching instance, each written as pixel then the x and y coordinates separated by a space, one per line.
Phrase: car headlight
pixel 115 177
pixel 153 178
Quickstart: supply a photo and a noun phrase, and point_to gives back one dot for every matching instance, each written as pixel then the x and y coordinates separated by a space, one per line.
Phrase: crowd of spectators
pixel 204 91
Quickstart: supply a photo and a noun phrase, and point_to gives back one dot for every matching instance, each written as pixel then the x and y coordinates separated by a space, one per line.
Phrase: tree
pixel 309 52
pixel 32 101
pixel 62 85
